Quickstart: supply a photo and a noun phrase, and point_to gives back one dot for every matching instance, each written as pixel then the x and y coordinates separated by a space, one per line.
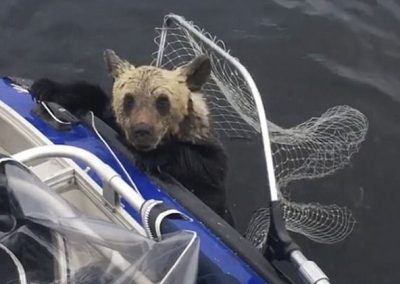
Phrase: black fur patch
pixel 201 168
pixel 76 97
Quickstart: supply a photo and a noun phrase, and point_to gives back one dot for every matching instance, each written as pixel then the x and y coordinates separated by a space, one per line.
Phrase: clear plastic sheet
pixel 55 243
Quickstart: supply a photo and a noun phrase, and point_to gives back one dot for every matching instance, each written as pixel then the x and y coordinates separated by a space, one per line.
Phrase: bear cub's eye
pixel 162 104
pixel 129 103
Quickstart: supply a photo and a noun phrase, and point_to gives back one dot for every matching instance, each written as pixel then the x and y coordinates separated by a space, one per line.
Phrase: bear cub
pixel 162 118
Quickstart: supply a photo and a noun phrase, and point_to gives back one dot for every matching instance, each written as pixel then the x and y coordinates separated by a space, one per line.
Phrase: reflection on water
pixel 305 55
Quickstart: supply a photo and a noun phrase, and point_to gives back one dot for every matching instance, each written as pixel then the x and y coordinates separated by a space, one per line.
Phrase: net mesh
pixel 312 149
pixel 326 224
pixel 319 146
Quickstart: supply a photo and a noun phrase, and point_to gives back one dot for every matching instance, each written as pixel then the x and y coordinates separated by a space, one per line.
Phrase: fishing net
pixel 326 224
pixel 312 149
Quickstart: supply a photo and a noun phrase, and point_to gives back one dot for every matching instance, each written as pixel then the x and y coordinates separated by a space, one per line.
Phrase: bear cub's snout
pixel 142 136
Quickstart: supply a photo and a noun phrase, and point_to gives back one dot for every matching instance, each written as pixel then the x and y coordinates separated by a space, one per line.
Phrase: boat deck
pixel 61 175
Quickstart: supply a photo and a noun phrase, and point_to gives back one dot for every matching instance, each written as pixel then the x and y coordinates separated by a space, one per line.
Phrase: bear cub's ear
pixel 197 72
pixel 114 64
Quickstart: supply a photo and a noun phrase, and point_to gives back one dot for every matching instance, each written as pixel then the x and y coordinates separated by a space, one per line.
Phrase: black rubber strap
pixel 154 213
pixel 279 243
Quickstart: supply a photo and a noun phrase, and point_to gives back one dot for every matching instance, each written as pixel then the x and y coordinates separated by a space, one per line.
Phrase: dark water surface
pixel 305 55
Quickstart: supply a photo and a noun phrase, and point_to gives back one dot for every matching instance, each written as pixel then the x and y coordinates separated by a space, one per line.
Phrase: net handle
pixel 168 19
pixel 307 269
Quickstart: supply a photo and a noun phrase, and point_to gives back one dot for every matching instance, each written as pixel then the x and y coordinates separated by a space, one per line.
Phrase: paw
pixel 43 90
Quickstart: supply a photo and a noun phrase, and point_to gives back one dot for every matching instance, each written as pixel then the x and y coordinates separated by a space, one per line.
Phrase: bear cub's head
pixel 153 105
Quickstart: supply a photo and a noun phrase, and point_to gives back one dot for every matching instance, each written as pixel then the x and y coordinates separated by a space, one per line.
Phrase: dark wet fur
pixel 199 167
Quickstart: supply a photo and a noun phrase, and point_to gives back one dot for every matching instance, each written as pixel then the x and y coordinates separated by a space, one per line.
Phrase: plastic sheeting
pixel 52 242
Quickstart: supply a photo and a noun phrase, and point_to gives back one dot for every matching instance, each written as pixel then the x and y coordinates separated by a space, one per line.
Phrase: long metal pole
pixel 257 98
pixel 309 271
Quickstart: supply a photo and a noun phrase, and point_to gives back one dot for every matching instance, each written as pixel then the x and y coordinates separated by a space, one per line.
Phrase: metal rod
pixel 308 270
pixel 255 92
pixel 163 37
pixel 106 173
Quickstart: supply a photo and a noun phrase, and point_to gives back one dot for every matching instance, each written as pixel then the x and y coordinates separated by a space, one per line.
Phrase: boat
pixel 75 209
pixel 24 130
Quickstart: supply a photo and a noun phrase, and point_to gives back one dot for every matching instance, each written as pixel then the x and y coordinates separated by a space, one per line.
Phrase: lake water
pixel 305 56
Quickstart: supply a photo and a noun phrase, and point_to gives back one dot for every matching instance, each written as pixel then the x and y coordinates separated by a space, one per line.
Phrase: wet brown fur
pixel 188 117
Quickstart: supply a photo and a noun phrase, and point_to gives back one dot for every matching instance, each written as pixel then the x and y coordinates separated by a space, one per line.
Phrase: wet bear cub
pixel 162 118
